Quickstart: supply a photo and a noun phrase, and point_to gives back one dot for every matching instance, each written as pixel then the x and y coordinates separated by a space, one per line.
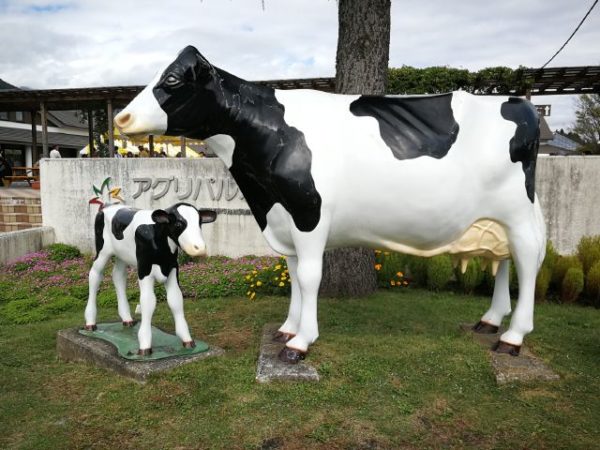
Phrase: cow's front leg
pixel 119 276
pixel 309 272
pixel 500 307
pixel 175 301
pixel 147 304
pixel 94 280
pixel 289 329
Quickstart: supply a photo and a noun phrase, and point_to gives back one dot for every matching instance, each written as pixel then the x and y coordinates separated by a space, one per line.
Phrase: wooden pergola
pixel 547 81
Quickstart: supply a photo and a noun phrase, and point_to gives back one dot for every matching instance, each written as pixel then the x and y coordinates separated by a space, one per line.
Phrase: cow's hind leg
pixel 175 301
pixel 309 271
pixel 289 329
pixel 147 304
pixel 528 245
pixel 119 276
pixel 94 280
pixel 491 320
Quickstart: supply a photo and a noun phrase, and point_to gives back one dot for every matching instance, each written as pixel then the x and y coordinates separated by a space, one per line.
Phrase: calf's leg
pixel 94 280
pixel 147 304
pixel 119 276
pixel 175 301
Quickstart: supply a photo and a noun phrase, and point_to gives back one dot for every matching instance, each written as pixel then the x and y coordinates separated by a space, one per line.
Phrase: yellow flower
pixel 377 252
pixel 275 279
pixel 281 284
pixel 248 293
pixel 248 277
pixel 289 281
pixel 254 272
pixel 393 283
pixel 251 285
pixel 259 283
pixel 277 267
pixel 252 296
pixel 377 266
pixel 405 283
pixel 399 274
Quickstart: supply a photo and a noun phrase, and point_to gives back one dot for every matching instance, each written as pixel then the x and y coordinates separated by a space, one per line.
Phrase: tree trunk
pixel 361 68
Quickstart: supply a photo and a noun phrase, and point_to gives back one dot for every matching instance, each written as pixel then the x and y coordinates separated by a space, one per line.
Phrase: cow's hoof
pixel 291 355
pixel 485 328
pixel 144 352
pixel 129 323
pixel 282 337
pixel 189 344
pixel 90 328
pixel 505 347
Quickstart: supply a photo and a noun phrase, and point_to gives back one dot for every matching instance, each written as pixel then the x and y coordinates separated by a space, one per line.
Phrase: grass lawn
pixel 396 373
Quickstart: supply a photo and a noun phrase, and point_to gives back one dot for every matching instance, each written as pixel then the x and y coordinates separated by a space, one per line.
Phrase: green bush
pixel 572 285
pixel 273 280
pixel 23 311
pixel 551 256
pixel 542 283
pixel 390 268
pixel 562 265
pixel 472 278
pixel 62 252
pixel 418 269
pixel 63 304
pixel 588 251
pixel 439 272
pixel 592 284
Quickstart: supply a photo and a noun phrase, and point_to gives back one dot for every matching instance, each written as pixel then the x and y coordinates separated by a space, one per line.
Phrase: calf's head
pixel 177 102
pixel 183 224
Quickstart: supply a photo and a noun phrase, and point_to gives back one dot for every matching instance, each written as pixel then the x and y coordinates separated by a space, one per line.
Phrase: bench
pixel 29 174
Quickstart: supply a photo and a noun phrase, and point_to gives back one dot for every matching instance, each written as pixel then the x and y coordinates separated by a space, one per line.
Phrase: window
pixel 19 116
pixel 3 116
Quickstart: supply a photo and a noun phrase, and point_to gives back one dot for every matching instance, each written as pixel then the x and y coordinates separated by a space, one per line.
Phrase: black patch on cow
pixel 99 232
pixel 526 141
pixel 272 162
pixel 412 126
pixel 121 220
pixel 152 247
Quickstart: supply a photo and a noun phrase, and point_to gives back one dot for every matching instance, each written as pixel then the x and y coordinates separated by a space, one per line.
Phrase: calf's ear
pixel 160 216
pixel 207 215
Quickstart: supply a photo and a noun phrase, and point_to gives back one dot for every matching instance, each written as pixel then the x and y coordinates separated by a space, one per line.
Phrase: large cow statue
pixel 421 175
pixel 148 240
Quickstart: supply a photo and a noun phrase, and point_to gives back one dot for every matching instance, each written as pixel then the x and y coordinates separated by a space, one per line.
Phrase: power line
pixel 572 34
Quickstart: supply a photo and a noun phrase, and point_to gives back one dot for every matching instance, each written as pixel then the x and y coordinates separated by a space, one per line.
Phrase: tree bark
pixel 361 68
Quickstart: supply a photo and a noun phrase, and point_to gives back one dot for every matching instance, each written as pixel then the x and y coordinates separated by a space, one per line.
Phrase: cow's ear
pixel 160 216
pixel 207 215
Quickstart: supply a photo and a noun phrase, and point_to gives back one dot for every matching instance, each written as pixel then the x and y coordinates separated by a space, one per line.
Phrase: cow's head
pixel 183 224
pixel 177 101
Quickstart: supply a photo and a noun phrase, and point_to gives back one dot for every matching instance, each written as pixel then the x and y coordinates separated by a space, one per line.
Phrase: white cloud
pixel 81 43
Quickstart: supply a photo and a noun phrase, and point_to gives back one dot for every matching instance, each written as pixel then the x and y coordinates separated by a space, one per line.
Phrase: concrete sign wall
pixel 568 188
pixel 66 188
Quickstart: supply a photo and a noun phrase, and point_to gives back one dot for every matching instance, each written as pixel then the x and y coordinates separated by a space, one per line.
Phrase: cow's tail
pixel 99 231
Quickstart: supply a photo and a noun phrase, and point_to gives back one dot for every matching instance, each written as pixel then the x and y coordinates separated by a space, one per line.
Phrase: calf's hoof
pixel 485 328
pixel 282 337
pixel 291 355
pixel 189 344
pixel 144 352
pixel 505 347
pixel 90 328
pixel 129 323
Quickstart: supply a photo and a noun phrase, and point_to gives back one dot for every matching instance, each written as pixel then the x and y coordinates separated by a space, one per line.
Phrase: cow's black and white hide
pixel 149 241
pixel 421 175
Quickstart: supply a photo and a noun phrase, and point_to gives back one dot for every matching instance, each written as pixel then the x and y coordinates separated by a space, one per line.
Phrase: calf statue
pixel 148 240
pixel 422 175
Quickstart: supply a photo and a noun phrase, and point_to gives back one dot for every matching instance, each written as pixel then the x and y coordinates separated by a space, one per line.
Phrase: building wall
pixel 568 188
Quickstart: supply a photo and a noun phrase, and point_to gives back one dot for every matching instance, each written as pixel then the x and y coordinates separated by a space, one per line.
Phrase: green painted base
pixel 125 339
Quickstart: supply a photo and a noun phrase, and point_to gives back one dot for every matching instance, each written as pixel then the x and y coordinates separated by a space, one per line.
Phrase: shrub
pixel 273 280
pixel 592 284
pixel 63 304
pixel 62 252
pixel 551 256
pixel 572 285
pixel 562 265
pixel 542 283
pixel 24 311
pixel 439 272
pixel 418 269
pixel 588 251
pixel 472 278
pixel 390 268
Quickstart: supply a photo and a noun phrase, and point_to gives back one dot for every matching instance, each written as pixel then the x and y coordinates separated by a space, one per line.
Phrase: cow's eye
pixel 172 81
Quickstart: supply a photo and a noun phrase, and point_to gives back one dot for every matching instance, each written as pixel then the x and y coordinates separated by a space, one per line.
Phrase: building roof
pixel 561 141
pixel 11 135
pixel 564 80
pixel 4 85
pixel 545 132
pixel 67 119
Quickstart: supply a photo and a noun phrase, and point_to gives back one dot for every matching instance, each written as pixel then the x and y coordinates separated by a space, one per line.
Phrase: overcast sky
pixel 68 44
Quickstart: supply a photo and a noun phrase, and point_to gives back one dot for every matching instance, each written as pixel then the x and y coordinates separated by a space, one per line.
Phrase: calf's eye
pixel 171 81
